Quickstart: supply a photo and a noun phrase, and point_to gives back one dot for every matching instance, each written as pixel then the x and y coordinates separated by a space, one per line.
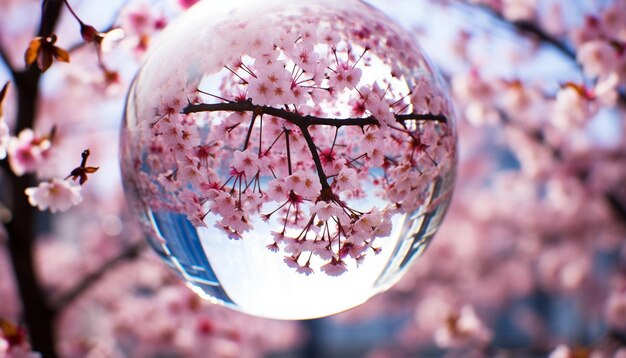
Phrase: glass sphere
pixel 288 159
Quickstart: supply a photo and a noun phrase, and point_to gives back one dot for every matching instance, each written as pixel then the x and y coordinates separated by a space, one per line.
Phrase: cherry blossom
pixel 335 267
pixel 616 310
pixel 461 327
pixel 27 151
pixel 345 77
pixel 55 195
pixel 598 58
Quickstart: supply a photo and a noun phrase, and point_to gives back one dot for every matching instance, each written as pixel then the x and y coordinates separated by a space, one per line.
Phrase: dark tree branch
pixel 318 163
pixel 527 28
pixel 535 31
pixel 38 315
pixel 50 12
pixel 304 121
pixel 531 28
pixel 88 281
pixel 618 206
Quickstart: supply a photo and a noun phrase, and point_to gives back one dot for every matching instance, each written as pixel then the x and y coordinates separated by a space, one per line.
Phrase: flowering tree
pixel 537 219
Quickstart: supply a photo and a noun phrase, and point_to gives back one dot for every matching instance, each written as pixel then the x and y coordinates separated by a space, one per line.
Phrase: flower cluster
pixel 275 146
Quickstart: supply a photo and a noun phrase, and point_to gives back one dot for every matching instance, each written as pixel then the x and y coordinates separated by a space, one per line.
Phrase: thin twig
pixel 316 158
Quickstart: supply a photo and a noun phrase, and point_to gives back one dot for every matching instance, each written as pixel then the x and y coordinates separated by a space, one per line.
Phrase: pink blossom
pixel 379 108
pixel 519 10
pixel 306 184
pixel 562 351
pixel 330 37
pixel 372 139
pixel 224 204
pixel 246 162
pixel 597 57
pixel 138 19
pixel 308 33
pixel 27 152
pixel 606 90
pixel 368 225
pixel 571 109
pixel 462 328
pixel 190 174
pixel 292 261
pixel 613 22
pixel 335 267
pixel 277 190
pixel 305 270
pixel 172 103
pixel 346 180
pixel 615 310
pixel 55 195
pixel 345 77
pixel 185 4
pixel 306 58
pixel 271 86
pixel 238 221
pixel 425 99
pixel 4 345
pixel 325 211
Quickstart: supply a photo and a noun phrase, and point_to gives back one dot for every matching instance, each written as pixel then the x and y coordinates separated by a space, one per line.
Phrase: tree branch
pixel 38 314
pixel 532 29
pixel 88 281
pixel 303 121
pixel 618 206
pixel 318 163
pixel 526 27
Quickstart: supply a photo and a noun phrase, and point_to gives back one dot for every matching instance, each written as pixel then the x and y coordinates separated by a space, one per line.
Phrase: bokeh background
pixel 530 261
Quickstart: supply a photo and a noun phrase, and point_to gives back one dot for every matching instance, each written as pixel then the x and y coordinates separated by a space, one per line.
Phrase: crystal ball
pixel 288 159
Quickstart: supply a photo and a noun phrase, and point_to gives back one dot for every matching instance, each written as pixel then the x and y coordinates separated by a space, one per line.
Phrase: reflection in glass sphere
pixel 288 159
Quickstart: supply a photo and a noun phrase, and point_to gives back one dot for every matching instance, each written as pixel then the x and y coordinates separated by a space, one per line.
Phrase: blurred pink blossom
pixel 55 195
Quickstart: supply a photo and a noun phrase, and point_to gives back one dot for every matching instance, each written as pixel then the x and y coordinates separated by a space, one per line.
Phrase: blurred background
pixel 530 260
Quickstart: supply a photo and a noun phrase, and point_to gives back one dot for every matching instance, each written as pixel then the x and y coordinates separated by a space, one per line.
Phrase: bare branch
pixel 304 121
pixel 616 204
pixel 316 159
pixel 88 281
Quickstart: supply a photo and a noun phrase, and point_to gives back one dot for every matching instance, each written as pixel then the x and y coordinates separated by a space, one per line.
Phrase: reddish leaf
pixel 44 52
pixel 61 55
pixel 33 49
